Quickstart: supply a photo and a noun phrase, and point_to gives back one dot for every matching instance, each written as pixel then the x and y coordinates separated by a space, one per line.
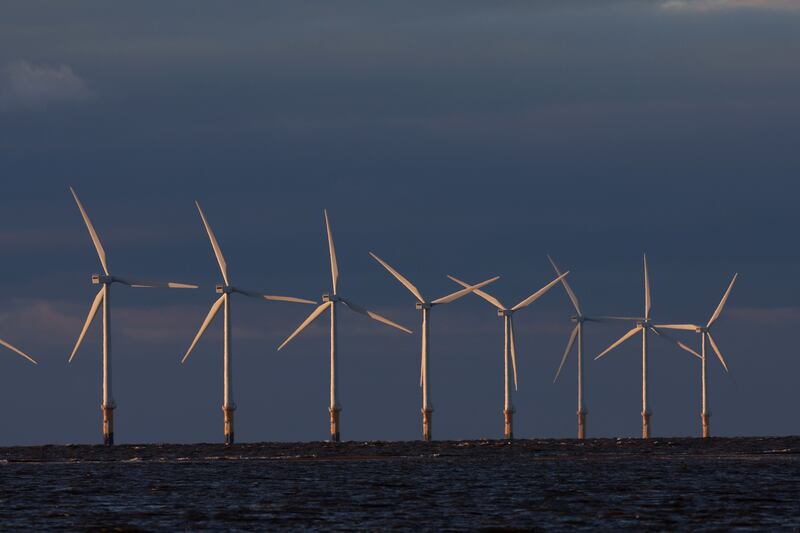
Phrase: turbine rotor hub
pixel 102 279
pixel 330 298
pixel 422 305
pixel 225 289
pixel 504 312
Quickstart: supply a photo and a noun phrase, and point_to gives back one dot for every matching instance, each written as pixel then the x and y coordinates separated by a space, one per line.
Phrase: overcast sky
pixel 464 138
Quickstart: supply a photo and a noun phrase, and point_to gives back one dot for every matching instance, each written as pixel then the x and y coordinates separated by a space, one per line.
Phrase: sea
pixel 490 485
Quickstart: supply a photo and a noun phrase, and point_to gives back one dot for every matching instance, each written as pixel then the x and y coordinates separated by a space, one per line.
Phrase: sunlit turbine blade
pixel 332 250
pixel 18 351
pixel 564 281
pixel 313 316
pixel 463 292
pixel 570 342
pixel 374 316
pixel 211 314
pixel 674 341
pixel 223 266
pixel 92 313
pixel 399 277
pixel 684 327
pixel 272 297
pixel 95 239
pixel 716 351
pixel 486 296
pixel 139 284
pixel 538 294
pixel 718 310
pixel 646 290
pixel 622 339
pixel 513 349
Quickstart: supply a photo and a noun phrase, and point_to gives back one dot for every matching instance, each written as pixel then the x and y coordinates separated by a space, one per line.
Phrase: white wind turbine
pixel 103 296
pixel 425 306
pixel 225 289
pixel 577 334
pixel 643 325
pixel 705 333
pixel 330 301
pixel 509 342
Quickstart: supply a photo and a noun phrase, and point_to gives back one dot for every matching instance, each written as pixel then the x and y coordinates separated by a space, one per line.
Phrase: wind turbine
pixel 425 306
pixel 643 325
pixel 577 334
pixel 330 301
pixel 105 281
pixel 509 343
pixel 705 333
pixel 225 289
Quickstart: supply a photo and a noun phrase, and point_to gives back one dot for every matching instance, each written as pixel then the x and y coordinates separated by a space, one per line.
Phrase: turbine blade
pixel 139 284
pixel 685 327
pixel 92 233
pixel 718 310
pixel 332 250
pixel 570 342
pixel 92 313
pixel 567 288
pixel 513 350
pixel 646 290
pixel 313 316
pixel 272 297
pixel 18 351
pixel 374 316
pixel 463 292
pixel 716 351
pixel 538 294
pixel 223 266
pixel 488 297
pixel 399 277
pixel 622 339
pixel 211 314
pixel 674 341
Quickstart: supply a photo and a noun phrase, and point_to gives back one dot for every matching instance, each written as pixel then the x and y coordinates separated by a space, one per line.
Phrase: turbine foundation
pixel 508 432
pixel 581 425
pixel 706 418
pixel 108 424
pixel 427 424
pixel 645 425
pixel 227 411
pixel 334 411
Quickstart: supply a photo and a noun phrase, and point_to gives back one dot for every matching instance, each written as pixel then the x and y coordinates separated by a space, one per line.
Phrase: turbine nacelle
pixel 504 312
pixel 102 279
pixel 327 297
pixel 225 289
pixel 419 306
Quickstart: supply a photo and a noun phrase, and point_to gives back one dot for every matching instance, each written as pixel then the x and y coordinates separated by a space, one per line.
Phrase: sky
pixel 463 138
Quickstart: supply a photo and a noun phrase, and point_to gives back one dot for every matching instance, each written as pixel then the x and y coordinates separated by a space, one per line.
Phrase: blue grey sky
pixel 464 138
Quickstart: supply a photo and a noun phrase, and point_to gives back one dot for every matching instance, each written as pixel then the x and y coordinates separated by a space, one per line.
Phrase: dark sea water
pixel 672 484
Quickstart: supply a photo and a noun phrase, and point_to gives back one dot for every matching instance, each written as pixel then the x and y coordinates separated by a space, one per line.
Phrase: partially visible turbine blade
pixel 399 277
pixel 646 290
pixel 718 310
pixel 570 342
pixel 567 288
pixel 463 292
pixel 211 314
pixel 95 239
pixel 139 284
pixel 674 341
pixel 314 314
pixel 332 250
pixel 223 266
pixel 513 349
pixel 622 339
pixel 538 294
pixel 685 327
pixel 374 316
pixel 92 313
pixel 716 351
pixel 272 297
pixel 486 296
pixel 17 350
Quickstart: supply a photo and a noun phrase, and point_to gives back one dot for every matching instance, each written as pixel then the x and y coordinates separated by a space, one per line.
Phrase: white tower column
pixel 645 411
pixel 427 407
pixel 508 407
pixel 581 410
pixel 334 407
pixel 704 415
pixel 228 406
pixel 108 399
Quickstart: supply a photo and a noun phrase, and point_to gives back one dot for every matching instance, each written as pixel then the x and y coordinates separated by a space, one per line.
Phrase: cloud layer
pixel 716 5
pixel 25 85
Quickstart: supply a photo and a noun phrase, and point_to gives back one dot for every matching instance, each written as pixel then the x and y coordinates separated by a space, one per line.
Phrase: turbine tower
pixel 509 342
pixel 225 290
pixel 577 334
pixel 330 301
pixel 643 325
pixel 105 281
pixel 425 306
pixel 705 333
